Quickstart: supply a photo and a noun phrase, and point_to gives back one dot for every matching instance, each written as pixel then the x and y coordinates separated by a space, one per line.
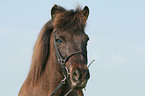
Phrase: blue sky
pixel 117 43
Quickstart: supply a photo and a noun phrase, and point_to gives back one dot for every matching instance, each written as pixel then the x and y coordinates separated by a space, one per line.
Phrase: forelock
pixel 72 20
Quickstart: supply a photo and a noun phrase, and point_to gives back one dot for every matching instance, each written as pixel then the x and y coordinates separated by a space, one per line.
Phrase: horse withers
pixel 59 63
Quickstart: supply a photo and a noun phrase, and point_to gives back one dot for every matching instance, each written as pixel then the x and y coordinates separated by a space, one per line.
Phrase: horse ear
pixel 55 10
pixel 85 12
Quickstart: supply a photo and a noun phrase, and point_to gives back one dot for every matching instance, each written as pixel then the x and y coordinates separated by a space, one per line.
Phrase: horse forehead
pixel 75 34
pixel 72 35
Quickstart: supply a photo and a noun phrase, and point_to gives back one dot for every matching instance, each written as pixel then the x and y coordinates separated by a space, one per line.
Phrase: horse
pixel 59 61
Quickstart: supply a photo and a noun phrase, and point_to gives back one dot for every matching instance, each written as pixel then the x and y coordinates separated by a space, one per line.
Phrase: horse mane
pixel 40 53
pixel 73 20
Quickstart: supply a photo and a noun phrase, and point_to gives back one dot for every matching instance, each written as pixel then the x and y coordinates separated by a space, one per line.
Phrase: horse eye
pixel 58 41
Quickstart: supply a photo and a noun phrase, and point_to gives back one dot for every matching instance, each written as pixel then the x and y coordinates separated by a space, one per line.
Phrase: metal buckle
pixel 63 81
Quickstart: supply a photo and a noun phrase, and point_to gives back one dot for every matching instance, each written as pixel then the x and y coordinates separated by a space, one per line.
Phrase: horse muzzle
pixel 79 78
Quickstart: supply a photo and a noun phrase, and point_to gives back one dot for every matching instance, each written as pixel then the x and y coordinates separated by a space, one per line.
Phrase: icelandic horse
pixel 59 62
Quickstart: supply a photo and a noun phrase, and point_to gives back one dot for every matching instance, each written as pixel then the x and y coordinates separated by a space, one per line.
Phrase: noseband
pixel 62 63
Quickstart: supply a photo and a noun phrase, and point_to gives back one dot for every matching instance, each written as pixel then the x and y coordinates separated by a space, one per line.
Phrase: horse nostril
pixel 76 75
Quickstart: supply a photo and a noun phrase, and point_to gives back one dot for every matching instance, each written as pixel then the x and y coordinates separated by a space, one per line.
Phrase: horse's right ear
pixel 55 10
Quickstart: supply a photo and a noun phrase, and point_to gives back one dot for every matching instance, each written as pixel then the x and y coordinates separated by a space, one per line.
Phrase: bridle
pixel 62 63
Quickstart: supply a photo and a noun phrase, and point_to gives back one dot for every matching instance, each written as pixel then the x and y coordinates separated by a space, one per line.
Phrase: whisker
pixel 91 63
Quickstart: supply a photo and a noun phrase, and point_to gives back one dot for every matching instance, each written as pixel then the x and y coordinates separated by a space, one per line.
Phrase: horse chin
pixel 77 86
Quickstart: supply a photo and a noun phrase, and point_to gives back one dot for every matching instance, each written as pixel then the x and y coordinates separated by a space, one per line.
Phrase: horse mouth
pixel 78 85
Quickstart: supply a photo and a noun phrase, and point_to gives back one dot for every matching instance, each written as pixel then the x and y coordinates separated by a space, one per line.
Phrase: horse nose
pixel 80 75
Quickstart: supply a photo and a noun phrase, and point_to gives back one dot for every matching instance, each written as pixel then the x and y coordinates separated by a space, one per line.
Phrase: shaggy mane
pixel 40 53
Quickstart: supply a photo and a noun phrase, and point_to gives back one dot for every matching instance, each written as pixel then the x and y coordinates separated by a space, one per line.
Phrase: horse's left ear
pixel 85 12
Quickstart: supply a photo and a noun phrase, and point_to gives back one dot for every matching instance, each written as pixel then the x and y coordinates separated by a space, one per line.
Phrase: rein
pixel 62 63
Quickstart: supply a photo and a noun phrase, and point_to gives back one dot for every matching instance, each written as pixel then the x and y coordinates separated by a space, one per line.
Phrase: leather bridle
pixel 62 63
